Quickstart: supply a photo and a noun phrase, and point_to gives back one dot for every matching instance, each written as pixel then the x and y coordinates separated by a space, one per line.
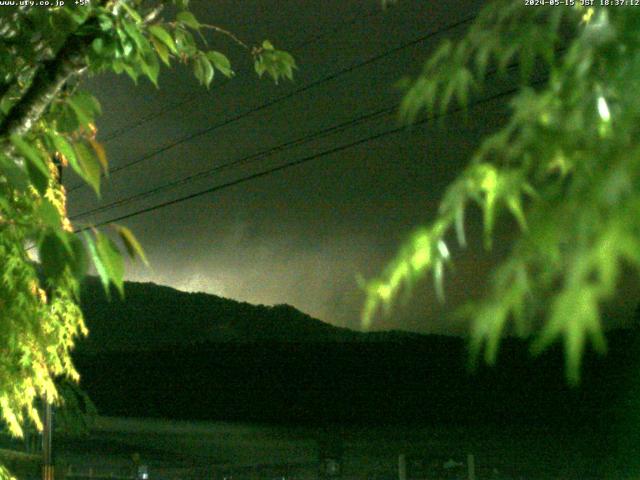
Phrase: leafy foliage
pixel 274 62
pixel 565 167
pixel 46 125
pixel 5 474
pixel 77 412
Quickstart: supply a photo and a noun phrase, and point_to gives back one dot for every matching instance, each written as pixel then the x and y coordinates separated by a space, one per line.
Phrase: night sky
pixel 301 235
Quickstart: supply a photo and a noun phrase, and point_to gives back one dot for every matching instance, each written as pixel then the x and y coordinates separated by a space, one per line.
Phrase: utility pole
pixel 47 457
pixel 47 427
pixel 402 467
pixel 471 466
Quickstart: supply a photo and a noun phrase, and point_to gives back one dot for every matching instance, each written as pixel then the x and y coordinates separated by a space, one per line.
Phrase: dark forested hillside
pixel 154 316
pixel 170 354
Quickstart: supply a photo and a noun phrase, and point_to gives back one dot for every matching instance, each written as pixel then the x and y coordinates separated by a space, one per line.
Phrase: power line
pixel 242 161
pixel 253 157
pixel 262 154
pixel 193 96
pixel 291 94
pixel 287 165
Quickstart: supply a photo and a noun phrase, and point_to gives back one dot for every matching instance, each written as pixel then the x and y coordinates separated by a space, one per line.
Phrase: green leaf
pixel 220 62
pixel 60 249
pixel 132 13
pixel 482 59
pixel 101 155
pixel 260 66
pixel 36 165
pixel 97 45
pixel 63 147
pixel 188 19
pixel 459 225
pixel 107 260
pixel 505 57
pixel 86 107
pixel 162 51
pixel 267 45
pixel 446 97
pixel 127 49
pixel 79 263
pixel 145 59
pixel 117 67
pixel 135 34
pixel 132 72
pixel 106 22
pixel 515 206
pixel 443 52
pixel 78 15
pixel 39 180
pixel 97 262
pixel 276 63
pixel 151 67
pixel 5 105
pixel 89 166
pixel 464 83
pixel 14 174
pixel 55 253
pixel 203 70
pixel 66 119
pixel 131 243
pixel 288 64
pixel 185 43
pixel 48 214
pixel 495 318
pixel 438 277
pixel 111 259
pixel 161 34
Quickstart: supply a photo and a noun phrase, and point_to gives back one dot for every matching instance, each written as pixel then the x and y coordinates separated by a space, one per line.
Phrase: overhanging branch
pixel 49 80
pixel 47 83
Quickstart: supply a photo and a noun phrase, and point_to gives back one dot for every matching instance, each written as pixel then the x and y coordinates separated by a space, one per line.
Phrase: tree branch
pixel 153 14
pixel 221 31
pixel 48 81
pixel 227 33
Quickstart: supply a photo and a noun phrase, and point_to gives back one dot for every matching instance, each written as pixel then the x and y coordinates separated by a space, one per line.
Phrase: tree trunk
pixel 48 81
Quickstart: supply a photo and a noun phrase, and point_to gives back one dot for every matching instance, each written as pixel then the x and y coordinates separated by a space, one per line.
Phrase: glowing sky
pixel 299 236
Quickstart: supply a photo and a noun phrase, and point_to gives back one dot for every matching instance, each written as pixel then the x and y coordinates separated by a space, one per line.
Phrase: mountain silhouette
pixel 153 317
pixel 170 354
pixel 163 353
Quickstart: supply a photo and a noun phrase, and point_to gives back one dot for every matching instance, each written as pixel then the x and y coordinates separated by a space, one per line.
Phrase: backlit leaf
pixel 131 243
pixel 54 253
pixel 132 12
pixel 188 19
pixel 151 67
pixel 162 51
pixel 86 107
pixel 15 175
pixel 63 147
pixel 89 166
pixel 101 155
pixel 161 34
pixel 111 259
pixel 220 62
pixel 48 214
pixel 36 165
pixel 203 70
pixel 98 264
